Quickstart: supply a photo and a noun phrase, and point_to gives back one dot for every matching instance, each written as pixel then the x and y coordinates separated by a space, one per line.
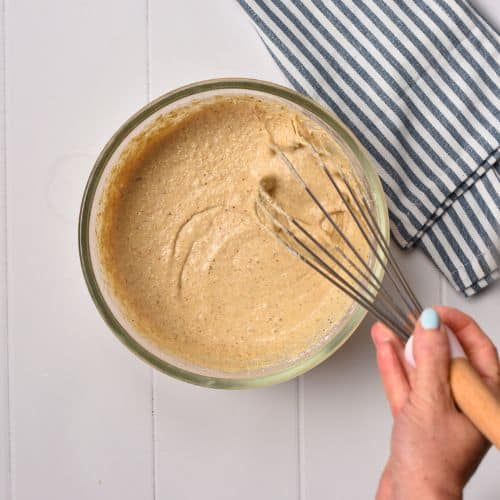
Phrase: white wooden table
pixel 80 416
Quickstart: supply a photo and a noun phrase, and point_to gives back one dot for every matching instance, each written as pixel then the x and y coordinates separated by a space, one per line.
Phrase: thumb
pixel 432 355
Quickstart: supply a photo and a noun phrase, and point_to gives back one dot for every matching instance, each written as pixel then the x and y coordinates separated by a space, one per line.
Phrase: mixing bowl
pixel 109 307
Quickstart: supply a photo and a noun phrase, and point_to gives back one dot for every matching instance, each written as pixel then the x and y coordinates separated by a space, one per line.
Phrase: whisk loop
pixel 344 268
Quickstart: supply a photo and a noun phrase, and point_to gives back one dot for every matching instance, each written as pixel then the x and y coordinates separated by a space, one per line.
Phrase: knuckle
pixel 490 349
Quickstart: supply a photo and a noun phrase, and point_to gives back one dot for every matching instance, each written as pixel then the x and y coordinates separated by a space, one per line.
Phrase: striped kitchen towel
pixel 418 82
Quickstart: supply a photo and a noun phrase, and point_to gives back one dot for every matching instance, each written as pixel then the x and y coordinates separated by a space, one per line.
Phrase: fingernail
pixel 429 319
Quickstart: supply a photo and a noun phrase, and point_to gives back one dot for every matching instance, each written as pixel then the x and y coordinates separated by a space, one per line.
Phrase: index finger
pixel 480 350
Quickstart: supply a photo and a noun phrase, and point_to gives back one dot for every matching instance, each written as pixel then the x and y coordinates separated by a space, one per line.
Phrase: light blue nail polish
pixel 429 319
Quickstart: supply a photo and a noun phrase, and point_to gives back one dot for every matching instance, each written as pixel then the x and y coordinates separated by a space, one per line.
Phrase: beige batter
pixel 183 251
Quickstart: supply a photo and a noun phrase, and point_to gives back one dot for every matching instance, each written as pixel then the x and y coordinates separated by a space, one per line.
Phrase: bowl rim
pixel 198 88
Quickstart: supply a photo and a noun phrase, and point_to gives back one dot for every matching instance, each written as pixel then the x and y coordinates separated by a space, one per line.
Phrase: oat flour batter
pixel 182 249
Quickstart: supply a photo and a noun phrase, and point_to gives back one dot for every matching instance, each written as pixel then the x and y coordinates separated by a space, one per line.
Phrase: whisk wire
pixel 365 286
pixel 378 234
pixel 325 212
pixel 383 294
pixel 369 219
pixel 410 302
pixel 372 293
pixel 334 277
pixel 394 264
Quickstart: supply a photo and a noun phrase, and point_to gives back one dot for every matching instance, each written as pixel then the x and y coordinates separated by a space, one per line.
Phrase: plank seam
pixel 152 379
pixel 300 439
pixel 148 52
pixel 5 304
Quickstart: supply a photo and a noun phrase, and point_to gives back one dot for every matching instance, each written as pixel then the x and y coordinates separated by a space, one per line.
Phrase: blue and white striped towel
pixel 418 83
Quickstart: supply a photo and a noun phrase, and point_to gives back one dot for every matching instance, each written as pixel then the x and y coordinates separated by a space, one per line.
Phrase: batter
pixel 182 249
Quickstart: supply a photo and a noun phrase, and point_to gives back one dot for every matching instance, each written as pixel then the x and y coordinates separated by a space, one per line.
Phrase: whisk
pixel 347 269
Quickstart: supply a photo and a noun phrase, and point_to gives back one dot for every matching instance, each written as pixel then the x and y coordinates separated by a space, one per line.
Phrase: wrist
pixel 411 491
pixel 415 486
pixel 437 492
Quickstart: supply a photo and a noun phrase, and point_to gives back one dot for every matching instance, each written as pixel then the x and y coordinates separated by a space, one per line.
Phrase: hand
pixel 435 449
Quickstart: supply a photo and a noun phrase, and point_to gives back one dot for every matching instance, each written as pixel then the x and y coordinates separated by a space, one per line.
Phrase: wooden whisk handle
pixel 475 399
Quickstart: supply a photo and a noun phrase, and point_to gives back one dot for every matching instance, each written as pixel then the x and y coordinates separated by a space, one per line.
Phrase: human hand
pixel 435 449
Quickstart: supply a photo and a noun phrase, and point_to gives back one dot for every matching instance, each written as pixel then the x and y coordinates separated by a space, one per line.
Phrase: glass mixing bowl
pixel 89 256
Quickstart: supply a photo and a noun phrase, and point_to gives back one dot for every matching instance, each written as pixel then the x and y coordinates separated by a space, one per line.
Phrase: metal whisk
pixel 346 269
pixel 351 273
